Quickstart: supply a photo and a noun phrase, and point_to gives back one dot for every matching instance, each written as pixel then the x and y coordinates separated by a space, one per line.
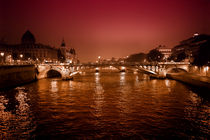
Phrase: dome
pixel 28 38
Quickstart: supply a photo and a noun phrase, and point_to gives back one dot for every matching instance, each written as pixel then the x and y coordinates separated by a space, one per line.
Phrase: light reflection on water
pixel 54 86
pixel 103 105
pixel 15 115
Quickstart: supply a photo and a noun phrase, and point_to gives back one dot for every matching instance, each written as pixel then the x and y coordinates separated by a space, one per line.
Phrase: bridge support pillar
pixel 66 74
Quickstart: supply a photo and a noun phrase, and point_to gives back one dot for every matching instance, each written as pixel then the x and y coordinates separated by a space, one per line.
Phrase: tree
pixel 177 57
pixel 154 56
pixel 181 56
pixel 202 57
pixel 136 57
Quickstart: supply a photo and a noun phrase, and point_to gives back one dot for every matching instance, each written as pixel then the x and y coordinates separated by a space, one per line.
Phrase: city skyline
pixel 105 28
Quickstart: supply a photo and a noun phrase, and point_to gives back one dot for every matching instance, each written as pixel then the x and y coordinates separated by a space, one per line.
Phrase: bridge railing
pixel 172 63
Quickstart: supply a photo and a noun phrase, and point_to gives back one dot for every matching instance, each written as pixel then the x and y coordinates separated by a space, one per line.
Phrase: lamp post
pixel 2 57
pixel 99 57
pixel 21 58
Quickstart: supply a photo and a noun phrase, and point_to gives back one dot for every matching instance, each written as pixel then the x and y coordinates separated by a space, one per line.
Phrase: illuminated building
pixel 28 49
pixel 165 51
pixel 69 54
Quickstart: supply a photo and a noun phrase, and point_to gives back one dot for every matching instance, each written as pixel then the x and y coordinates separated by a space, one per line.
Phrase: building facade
pixel 190 47
pixel 30 51
pixel 69 54
pixel 165 51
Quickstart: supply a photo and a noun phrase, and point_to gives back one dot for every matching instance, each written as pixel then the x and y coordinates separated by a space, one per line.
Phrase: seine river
pixel 104 106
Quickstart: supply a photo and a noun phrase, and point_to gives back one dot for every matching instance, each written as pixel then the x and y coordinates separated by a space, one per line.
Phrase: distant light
pixel 122 68
pixel 206 69
pixel 196 34
pixel 99 57
pixel 21 55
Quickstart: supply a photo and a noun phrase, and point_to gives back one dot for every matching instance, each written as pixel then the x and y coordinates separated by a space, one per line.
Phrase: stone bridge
pixel 64 70
pixel 67 71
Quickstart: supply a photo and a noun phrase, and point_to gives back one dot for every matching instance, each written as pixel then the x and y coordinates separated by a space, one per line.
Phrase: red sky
pixel 109 28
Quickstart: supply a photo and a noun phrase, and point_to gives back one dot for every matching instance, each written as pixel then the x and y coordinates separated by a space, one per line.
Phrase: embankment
pixel 191 79
pixel 14 75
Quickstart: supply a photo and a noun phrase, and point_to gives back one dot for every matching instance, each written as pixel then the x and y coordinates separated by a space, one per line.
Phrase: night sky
pixel 105 27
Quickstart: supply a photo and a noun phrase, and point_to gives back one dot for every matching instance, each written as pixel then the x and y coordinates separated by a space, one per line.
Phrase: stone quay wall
pixel 14 75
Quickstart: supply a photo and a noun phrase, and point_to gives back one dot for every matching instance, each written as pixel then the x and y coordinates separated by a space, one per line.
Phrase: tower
pixel 63 48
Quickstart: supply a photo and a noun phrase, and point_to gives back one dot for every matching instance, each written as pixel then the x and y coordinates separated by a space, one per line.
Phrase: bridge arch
pixel 54 70
pixel 53 73
pixel 47 70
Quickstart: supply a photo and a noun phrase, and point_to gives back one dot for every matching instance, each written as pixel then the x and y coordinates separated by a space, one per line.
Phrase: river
pixel 104 106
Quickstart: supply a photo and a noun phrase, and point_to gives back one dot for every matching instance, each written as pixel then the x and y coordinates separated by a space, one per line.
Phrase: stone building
pixel 189 48
pixel 165 51
pixel 29 50
pixel 69 54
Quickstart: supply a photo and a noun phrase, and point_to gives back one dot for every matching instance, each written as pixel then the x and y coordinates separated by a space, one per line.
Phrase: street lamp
pixel 99 57
pixel 2 54
pixel 21 56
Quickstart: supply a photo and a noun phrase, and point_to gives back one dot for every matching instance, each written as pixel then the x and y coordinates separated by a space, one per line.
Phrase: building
pixel 29 50
pixel 190 47
pixel 69 54
pixel 165 51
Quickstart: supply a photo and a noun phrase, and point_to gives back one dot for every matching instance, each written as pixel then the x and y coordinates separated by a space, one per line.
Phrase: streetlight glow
pixel 2 54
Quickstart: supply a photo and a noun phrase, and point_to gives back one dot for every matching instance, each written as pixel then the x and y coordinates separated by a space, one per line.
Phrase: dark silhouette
pixel 28 38
pixel 178 57
pixel 136 57
pixel 61 57
pixel 14 56
pixel 154 56
pixel 203 56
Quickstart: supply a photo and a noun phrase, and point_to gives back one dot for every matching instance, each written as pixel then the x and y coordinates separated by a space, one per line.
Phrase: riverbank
pixel 14 75
pixel 191 79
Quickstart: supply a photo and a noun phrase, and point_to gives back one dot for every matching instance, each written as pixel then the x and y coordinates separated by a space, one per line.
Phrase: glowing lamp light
pixel 99 57
pixel 21 55
pixel 196 34
pixel 2 54
pixel 206 68
pixel 123 68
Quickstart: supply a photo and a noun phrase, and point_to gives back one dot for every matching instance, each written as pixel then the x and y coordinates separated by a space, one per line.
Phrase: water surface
pixel 104 105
